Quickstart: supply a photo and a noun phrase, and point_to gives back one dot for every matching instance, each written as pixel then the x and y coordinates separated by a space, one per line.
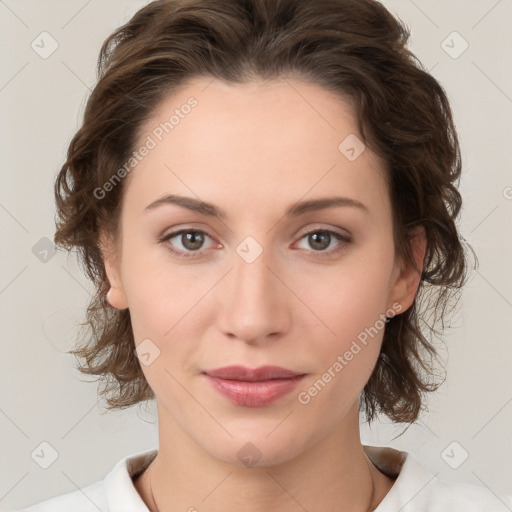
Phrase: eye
pixel 321 239
pixel 191 241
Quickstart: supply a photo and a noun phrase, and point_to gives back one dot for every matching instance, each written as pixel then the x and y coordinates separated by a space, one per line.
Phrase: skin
pixel 289 307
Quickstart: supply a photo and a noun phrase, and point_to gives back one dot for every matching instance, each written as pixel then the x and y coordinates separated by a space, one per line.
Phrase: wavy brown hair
pixel 355 48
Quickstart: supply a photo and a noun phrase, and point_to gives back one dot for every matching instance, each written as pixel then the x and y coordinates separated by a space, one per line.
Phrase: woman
pixel 261 192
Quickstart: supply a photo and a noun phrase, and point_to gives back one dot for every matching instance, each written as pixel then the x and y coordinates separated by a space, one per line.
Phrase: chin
pixel 256 451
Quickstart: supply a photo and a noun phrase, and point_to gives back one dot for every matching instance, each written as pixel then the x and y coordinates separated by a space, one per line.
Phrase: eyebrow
pixel 294 210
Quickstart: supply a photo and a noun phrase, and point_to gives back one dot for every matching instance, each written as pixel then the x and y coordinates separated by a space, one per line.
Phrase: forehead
pixel 275 141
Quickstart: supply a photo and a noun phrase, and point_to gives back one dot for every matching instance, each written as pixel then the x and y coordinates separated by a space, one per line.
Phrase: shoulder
pixel 441 495
pixel 417 489
pixel 88 499
pixel 115 491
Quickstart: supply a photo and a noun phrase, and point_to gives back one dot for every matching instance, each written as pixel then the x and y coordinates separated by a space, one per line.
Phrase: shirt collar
pixel 120 491
pixel 410 478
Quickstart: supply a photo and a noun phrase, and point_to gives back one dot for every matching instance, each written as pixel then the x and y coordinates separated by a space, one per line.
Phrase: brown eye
pixel 192 240
pixel 320 240
pixel 186 243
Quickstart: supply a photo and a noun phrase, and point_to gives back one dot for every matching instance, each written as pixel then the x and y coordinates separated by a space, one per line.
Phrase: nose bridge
pixel 252 279
pixel 253 299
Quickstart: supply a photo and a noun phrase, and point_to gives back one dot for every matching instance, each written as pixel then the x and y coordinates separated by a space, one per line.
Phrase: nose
pixel 254 301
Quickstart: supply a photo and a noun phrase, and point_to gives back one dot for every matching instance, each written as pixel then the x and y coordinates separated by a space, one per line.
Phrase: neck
pixel 335 472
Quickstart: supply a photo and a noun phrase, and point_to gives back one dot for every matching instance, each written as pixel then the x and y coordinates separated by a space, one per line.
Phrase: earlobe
pixel 115 295
pixel 405 289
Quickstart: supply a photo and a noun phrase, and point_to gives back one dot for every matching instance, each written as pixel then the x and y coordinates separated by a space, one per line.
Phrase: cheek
pixel 159 292
pixel 162 308
pixel 351 298
pixel 169 304
pixel 353 306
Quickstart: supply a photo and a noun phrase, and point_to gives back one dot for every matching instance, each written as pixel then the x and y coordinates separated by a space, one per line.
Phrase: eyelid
pixel 343 242
pixel 343 239
pixel 331 229
pixel 179 231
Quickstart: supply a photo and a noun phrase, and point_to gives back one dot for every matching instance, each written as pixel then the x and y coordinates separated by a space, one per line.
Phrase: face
pixel 253 279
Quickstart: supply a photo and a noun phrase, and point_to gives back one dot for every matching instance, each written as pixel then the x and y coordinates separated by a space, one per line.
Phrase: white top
pixel 416 489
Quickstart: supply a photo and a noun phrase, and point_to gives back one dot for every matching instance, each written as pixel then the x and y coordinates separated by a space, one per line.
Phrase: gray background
pixel 43 295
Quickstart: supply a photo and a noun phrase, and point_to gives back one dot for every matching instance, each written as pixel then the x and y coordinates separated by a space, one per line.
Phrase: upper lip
pixel 252 375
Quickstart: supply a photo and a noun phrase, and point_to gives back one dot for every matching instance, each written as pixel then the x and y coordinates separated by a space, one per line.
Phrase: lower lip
pixel 254 394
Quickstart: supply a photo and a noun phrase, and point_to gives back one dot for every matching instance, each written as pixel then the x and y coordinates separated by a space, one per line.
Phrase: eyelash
pixel 345 241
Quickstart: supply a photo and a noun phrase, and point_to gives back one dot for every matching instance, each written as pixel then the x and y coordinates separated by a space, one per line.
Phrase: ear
pixel 116 295
pixel 407 280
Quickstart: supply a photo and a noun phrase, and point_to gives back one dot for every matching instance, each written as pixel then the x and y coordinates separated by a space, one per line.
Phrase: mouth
pixel 257 387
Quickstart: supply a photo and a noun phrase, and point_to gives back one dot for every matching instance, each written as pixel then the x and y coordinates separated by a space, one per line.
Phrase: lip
pixel 253 387
pixel 244 373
